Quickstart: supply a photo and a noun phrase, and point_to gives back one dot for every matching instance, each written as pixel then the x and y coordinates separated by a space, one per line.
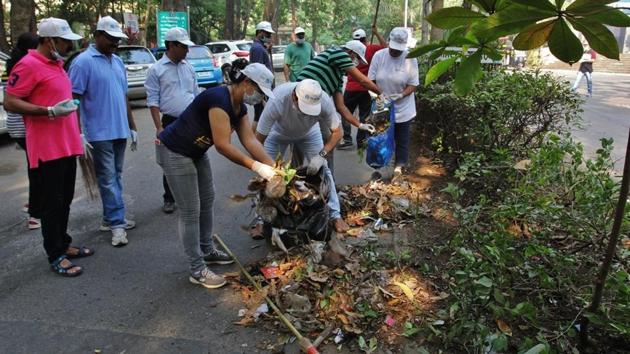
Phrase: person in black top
pixel 181 152
pixel 586 70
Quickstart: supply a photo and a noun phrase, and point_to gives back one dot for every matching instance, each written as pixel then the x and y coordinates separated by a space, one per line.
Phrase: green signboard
pixel 167 20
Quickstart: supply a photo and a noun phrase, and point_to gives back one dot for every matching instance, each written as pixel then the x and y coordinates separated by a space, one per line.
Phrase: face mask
pixel 300 41
pixel 265 40
pixel 54 52
pixel 253 99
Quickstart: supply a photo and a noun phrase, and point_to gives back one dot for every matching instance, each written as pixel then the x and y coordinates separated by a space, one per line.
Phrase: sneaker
pixel 34 223
pixel 217 257
pixel 207 279
pixel 168 207
pixel 129 224
pixel 398 171
pixel 119 237
pixel 25 208
pixel 346 144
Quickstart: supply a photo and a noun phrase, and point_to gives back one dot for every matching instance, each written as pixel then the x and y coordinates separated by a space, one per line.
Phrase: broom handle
pixel 378 4
pixel 304 342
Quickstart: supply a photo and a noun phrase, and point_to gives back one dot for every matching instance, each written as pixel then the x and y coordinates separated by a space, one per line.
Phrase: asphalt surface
pixel 137 299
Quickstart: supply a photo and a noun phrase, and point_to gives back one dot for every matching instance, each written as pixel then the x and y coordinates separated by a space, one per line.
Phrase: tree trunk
pixel 426 10
pixel 4 44
pixel 238 33
pixel 436 33
pixel 248 5
pixel 315 25
pixel 174 5
pixel 229 20
pixel 293 14
pixel 22 18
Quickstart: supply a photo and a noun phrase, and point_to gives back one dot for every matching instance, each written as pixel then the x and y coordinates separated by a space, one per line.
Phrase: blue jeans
pixel 589 81
pixel 108 158
pixel 309 145
pixel 401 139
pixel 191 183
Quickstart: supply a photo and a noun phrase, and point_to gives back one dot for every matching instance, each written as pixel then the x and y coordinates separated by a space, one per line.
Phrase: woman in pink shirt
pixel 40 90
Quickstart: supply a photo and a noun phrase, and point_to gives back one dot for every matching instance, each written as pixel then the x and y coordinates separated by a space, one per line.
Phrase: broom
pixel 89 175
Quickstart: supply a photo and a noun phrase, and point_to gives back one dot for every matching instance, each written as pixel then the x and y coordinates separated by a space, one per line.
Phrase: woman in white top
pixel 398 78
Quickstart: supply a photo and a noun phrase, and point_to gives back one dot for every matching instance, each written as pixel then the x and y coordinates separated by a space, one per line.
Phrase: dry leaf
pixel 523 165
pixel 514 230
pixel 405 290
pixel 354 232
pixel 504 327
pixel 240 198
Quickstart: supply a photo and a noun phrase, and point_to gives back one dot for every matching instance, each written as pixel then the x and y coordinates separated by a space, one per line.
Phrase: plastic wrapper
pixel 381 146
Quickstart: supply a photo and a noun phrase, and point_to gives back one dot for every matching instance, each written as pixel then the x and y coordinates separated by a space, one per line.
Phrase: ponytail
pixel 235 71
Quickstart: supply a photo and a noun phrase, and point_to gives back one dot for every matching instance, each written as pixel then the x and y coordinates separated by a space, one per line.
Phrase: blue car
pixel 205 65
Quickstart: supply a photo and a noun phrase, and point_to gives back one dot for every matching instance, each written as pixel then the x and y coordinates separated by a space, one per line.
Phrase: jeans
pixel 193 189
pixel 401 139
pixel 108 158
pixel 589 81
pixel 57 187
pixel 168 195
pixel 309 146
pixel 34 189
pixel 352 100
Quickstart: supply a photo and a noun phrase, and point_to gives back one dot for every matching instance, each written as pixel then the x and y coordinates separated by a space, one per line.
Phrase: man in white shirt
pixel 171 85
pixel 291 118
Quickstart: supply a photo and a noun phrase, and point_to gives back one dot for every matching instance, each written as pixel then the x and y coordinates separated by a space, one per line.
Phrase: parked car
pixel 158 52
pixel 206 66
pixel 277 57
pixel 228 51
pixel 138 60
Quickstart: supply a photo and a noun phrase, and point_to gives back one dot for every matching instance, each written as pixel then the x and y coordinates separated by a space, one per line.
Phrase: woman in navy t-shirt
pixel 209 120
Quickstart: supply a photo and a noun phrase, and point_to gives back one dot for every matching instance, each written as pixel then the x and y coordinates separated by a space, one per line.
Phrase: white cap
pixel 309 94
pixel 398 38
pixel 264 26
pixel 299 30
pixel 358 48
pixel 358 34
pixel 259 74
pixel 56 27
pixel 111 26
pixel 178 34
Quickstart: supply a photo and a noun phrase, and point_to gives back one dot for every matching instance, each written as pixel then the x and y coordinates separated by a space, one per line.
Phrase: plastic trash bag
pixel 380 147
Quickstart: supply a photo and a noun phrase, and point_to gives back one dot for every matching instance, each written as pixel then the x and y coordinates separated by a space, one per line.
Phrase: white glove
pixel 368 127
pixel 86 144
pixel 64 108
pixel 395 97
pixel 265 171
pixel 134 140
pixel 315 164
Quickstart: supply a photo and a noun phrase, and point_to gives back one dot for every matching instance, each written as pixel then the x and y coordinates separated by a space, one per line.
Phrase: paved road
pixel 137 299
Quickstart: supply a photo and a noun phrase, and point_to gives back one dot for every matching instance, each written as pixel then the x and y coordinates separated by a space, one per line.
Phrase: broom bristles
pixel 89 175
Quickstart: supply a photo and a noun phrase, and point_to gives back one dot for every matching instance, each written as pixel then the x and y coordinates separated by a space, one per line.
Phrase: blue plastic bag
pixel 380 147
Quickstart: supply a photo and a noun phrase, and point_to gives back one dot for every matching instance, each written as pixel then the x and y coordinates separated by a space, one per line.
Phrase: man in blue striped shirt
pixel 171 85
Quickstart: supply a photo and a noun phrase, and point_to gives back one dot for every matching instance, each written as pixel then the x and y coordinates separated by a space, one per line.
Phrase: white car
pixel 277 57
pixel 138 60
pixel 226 52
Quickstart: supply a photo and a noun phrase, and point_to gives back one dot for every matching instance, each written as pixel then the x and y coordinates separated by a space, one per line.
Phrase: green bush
pixel 506 111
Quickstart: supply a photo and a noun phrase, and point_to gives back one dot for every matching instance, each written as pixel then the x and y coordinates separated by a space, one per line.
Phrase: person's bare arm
pixel 343 110
pixel 333 140
pixel 362 79
pixel 132 123
pixel 15 104
pixel 261 138
pixel 252 144
pixel 155 115
pixel 76 96
pixel 409 90
pixel 381 40
pixel 285 69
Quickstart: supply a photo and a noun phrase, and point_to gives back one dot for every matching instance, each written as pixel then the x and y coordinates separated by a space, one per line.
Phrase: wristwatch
pixel 51 113
pixel 323 153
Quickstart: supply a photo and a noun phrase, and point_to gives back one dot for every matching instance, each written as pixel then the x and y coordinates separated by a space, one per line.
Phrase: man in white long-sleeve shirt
pixel 291 118
pixel 171 85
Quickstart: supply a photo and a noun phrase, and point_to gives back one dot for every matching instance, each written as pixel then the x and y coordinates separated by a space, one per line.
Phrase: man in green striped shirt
pixel 329 67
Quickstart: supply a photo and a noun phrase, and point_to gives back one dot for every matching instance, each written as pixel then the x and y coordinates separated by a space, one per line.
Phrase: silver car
pixel 138 60
pixel 226 52
pixel 277 57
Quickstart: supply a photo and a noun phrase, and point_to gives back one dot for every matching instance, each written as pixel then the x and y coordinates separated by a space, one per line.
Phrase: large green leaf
pixel 563 43
pixel 540 4
pixel 438 70
pixel 511 20
pixel 588 7
pixel 452 17
pixel 468 73
pixel 492 53
pixel 422 50
pixel 598 37
pixel 534 36
pixel 612 17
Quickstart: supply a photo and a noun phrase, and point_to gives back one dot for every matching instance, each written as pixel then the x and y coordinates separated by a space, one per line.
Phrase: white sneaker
pixel 129 224
pixel 119 237
pixel 207 279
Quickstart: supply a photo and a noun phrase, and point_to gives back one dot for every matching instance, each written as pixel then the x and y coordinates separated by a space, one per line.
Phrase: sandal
pixel 83 252
pixel 66 272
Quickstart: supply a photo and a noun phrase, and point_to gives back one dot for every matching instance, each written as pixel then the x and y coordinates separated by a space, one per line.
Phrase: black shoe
pixel 168 207
pixel 346 144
